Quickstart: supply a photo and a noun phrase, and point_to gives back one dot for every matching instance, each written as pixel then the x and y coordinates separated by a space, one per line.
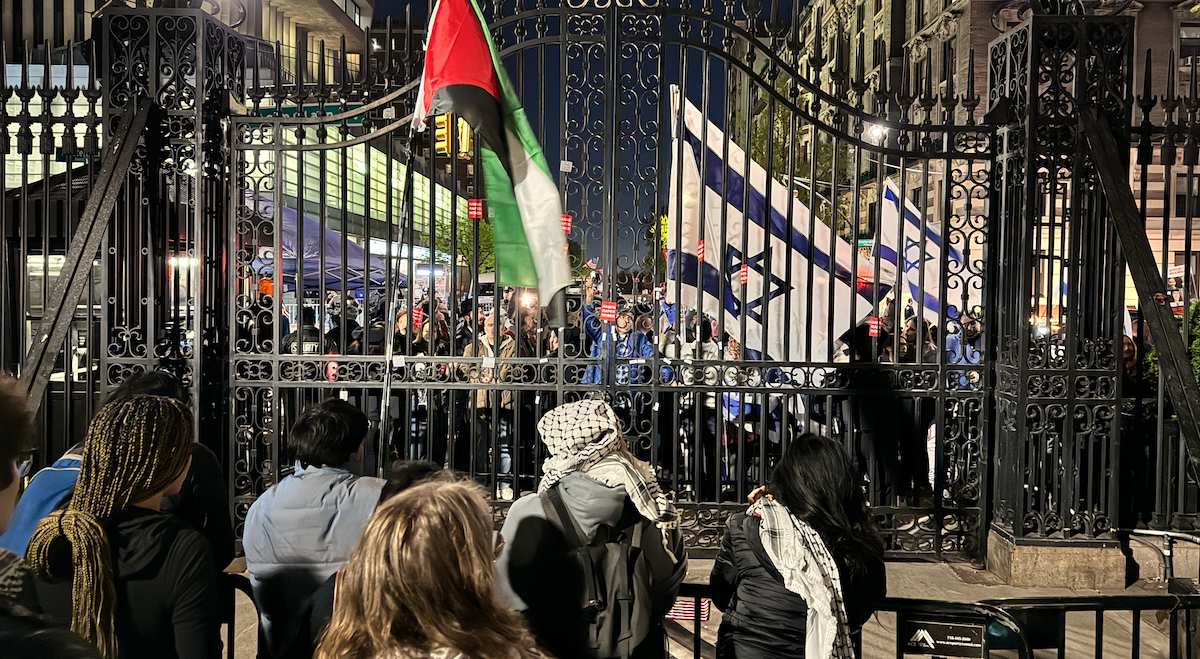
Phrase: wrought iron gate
pixel 329 197
pixel 268 186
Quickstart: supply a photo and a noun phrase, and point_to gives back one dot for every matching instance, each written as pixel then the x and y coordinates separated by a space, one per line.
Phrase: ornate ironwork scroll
pixel 163 267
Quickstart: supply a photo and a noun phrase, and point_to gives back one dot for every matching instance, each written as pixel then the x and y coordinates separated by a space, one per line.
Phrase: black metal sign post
pixel 927 638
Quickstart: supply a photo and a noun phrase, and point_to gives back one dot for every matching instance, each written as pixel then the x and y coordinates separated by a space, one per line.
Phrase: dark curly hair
pixel 16 440
pixel 153 383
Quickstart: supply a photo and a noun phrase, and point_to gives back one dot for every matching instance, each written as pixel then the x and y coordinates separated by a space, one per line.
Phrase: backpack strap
pixel 561 518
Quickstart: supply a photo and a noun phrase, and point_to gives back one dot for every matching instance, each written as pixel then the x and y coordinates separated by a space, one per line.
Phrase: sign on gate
pixel 923 638
pixel 608 311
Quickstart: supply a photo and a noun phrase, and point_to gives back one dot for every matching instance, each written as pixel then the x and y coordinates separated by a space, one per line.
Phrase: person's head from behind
pixel 328 433
pixel 706 331
pixel 579 434
pixel 403 474
pixel 466 310
pixel 816 481
pixel 308 316
pixel 422 578
pixel 859 341
pixel 153 383
pixel 14 443
pixel 136 451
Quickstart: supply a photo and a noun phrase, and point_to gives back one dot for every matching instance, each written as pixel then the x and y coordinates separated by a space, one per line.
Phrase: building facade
pixel 26 26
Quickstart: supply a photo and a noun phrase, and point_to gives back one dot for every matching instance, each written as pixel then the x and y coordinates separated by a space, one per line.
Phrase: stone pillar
pixel 1058 303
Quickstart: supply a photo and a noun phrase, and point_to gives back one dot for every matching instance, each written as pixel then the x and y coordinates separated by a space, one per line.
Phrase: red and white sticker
pixel 700 251
pixel 608 311
pixel 685 609
pixel 566 222
pixel 475 209
pixel 745 274
pixel 873 327
pixel 418 318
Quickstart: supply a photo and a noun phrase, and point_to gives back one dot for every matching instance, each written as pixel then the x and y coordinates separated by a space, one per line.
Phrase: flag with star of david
pixel 923 266
pixel 802 288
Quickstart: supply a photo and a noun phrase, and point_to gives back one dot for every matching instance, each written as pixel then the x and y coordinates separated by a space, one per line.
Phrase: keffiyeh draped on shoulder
pixel 808 570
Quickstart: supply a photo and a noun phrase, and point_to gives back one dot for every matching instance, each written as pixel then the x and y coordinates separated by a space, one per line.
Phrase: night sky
pixel 383 8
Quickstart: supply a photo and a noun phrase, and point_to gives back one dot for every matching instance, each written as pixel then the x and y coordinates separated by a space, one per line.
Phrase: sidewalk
pixel 938 581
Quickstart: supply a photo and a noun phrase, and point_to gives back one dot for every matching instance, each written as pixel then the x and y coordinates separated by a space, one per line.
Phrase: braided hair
pixel 135 448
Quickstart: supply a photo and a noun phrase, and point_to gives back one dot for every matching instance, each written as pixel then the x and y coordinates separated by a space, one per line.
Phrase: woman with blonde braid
pixel 134 581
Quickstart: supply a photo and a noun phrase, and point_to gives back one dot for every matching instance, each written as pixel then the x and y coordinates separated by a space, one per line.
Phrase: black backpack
pixel 616 602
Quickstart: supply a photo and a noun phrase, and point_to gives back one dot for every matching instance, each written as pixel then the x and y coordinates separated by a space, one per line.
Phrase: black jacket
pixel 167 603
pixel 306 341
pixel 313 621
pixel 762 618
pixel 27 635
pixel 24 632
pixel 203 502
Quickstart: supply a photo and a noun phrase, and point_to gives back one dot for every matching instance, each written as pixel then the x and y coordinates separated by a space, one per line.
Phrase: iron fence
pixel 50 135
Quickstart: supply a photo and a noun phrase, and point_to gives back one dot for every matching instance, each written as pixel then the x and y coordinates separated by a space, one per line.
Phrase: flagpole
pixel 385 418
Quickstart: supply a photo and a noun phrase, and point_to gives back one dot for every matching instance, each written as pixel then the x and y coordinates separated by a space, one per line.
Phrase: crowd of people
pixel 712 441
pixel 125 539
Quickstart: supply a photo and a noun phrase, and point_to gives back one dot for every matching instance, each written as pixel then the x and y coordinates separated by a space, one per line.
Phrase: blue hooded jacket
pixel 46 490
pixel 633 345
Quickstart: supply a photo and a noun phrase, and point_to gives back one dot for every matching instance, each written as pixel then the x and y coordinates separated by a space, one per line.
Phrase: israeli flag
pixel 923 260
pixel 756 242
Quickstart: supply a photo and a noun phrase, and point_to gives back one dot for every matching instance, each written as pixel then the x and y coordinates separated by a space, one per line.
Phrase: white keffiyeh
pixel 585 436
pixel 808 570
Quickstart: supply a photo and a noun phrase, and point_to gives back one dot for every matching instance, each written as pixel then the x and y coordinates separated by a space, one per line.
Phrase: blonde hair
pixel 135 448
pixel 421 579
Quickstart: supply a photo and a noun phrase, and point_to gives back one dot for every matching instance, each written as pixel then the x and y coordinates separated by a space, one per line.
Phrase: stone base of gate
pixel 1056 566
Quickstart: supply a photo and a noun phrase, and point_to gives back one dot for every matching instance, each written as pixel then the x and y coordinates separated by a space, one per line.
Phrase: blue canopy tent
pixel 359 267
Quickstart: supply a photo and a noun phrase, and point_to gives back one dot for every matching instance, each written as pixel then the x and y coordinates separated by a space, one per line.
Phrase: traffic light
pixel 441 134
pixel 465 144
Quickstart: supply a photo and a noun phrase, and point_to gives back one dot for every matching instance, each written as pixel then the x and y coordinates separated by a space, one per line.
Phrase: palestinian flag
pixel 464 76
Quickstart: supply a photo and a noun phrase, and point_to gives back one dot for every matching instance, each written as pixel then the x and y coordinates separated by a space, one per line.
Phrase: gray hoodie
pixel 530 578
